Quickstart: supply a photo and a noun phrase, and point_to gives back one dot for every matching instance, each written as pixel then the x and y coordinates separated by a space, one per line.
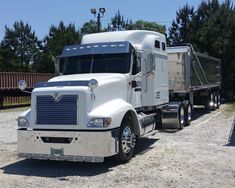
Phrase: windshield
pixel 97 63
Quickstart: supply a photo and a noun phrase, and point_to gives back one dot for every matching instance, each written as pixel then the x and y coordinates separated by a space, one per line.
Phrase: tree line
pixel 22 51
pixel 210 28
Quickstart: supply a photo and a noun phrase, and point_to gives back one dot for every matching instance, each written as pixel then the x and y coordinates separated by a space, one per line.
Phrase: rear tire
pixel 215 100
pixel 127 141
pixel 181 117
pixel 188 113
pixel 210 102
pixel 218 100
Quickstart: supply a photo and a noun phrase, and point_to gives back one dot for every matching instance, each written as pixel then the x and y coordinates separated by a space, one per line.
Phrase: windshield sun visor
pixel 97 48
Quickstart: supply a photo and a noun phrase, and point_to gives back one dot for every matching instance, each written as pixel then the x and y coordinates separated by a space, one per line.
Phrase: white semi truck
pixel 113 90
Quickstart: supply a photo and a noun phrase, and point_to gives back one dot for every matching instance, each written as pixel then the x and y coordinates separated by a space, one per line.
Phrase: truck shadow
pixel 60 169
pixel 199 112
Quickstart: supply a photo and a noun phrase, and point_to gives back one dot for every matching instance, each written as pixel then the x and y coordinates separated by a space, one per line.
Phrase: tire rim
pixel 211 101
pixel 218 99
pixel 128 140
pixel 189 112
pixel 181 115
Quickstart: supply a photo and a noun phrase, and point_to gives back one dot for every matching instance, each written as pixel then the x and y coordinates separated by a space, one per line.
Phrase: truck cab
pixel 110 93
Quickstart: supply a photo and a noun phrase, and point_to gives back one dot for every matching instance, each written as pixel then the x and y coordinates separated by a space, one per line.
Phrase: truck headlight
pixel 23 122
pixel 99 122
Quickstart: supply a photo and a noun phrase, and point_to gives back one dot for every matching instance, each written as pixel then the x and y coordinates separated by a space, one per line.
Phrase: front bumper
pixel 88 146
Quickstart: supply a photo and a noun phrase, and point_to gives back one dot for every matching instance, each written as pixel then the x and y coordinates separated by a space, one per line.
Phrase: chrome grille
pixel 62 112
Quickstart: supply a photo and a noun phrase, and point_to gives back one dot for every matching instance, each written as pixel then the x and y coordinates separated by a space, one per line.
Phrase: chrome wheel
pixel 219 100
pixel 127 140
pixel 189 112
pixel 212 100
pixel 216 100
pixel 181 115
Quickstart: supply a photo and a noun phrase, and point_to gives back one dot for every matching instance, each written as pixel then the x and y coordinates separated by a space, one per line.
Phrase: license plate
pixel 56 151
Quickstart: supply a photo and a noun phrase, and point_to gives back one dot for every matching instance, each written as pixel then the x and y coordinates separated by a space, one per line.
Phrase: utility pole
pixel 99 16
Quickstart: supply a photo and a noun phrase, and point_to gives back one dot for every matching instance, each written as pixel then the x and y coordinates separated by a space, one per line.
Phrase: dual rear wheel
pixel 214 101
pixel 185 114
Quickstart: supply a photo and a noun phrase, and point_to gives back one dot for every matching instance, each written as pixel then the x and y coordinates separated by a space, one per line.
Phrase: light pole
pixel 99 15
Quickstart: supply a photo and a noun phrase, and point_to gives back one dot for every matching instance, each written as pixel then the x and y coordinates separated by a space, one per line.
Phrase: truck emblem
pixel 57 97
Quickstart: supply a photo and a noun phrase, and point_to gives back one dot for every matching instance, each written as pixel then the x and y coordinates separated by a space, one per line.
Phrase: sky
pixel 41 14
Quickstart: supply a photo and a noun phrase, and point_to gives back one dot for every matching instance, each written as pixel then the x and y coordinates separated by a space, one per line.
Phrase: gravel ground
pixel 198 156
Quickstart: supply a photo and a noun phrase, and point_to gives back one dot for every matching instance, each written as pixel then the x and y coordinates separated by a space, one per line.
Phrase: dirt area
pixel 198 156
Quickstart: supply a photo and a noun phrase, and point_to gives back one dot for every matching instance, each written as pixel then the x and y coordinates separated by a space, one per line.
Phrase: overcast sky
pixel 40 14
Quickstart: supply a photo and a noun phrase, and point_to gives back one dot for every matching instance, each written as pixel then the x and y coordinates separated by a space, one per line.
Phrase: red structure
pixel 9 81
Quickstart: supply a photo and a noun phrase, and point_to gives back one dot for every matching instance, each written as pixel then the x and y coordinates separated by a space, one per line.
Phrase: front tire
pixel 127 141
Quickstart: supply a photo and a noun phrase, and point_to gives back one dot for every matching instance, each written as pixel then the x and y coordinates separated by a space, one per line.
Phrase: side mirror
pixel 149 63
pixel 22 85
pixel 56 61
pixel 57 65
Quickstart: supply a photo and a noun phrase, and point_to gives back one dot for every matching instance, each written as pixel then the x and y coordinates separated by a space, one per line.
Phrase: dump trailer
pixel 194 76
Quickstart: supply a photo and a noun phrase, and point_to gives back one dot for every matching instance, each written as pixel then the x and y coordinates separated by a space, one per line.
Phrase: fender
pixel 116 109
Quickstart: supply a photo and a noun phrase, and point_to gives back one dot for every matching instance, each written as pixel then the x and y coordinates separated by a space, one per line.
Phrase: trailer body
pixel 193 75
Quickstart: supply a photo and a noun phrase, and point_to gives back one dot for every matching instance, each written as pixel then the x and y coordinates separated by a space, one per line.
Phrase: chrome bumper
pixel 61 158
pixel 79 146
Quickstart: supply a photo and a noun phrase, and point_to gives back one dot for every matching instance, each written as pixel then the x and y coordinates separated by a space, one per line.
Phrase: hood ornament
pixel 56 97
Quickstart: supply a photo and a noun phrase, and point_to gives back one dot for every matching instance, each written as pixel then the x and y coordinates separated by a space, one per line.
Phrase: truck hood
pixel 102 78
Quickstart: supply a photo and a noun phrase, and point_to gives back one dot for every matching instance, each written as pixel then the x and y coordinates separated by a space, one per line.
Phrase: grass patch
pixel 5 104
pixel 231 107
pixel 15 106
pixel 229 110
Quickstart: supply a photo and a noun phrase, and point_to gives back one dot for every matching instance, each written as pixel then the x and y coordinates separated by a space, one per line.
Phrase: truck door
pixel 135 82
pixel 148 79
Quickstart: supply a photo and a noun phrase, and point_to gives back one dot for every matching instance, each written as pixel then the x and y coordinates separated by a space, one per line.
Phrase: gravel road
pixel 198 156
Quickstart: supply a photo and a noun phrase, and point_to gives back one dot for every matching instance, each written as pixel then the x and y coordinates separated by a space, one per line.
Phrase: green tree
pixel 1 60
pixel 7 62
pixel 21 45
pixel 89 27
pixel 58 37
pixel 181 29
pixel 151 26
pixel 209 31
pixel 118 22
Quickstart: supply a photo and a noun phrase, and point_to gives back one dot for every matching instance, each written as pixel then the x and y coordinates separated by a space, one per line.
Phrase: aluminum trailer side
pixel 194 76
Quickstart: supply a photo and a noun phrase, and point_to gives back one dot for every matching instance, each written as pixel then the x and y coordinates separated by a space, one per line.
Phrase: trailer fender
pixel 173 116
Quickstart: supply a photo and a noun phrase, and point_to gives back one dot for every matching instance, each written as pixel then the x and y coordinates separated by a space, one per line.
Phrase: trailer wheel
pixel 127 140
pixel 218 99
pixel 188 113
pixel 215 100
pixel 210 102
pixel 181 117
